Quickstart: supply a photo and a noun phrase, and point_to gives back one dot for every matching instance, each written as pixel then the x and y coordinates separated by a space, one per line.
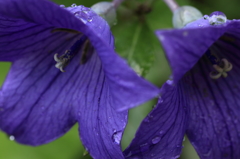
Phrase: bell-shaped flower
pixel 202 99
pixel 64 70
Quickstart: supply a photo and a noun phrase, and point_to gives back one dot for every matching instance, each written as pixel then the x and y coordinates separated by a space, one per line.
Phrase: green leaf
pixel 134 43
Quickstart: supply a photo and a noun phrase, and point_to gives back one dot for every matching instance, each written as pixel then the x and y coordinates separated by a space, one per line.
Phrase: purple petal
pixel 215 104
pixel 184 47
pixel 97 30
pixel 39 103
pixel 35 105
pixel 161 133
pixel 101 126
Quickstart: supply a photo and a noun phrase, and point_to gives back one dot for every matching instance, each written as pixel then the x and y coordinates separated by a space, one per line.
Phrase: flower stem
pixel 116 3
pixel 172 4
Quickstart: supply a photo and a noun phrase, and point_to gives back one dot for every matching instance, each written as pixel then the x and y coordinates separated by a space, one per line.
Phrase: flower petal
pixel 39 103
pixel 215 104
pixel 101 126
pixel 184 47
pixel 34 104
pixel 97 30
pixel 161 133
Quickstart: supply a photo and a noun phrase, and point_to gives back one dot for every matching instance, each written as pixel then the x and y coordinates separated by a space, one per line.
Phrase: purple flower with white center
pixel 202 100
pixel 39 103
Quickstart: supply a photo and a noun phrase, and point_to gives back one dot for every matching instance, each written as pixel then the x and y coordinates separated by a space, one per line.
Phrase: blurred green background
pixel 134 35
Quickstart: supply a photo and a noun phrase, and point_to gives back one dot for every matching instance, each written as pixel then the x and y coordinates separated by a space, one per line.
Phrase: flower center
pixel 221 67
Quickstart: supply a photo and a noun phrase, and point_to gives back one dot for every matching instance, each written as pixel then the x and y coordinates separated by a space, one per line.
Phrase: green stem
pixel 134 42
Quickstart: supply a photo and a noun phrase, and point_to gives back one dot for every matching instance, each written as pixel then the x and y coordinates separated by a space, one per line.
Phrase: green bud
pixel 184 15
pixel 107 11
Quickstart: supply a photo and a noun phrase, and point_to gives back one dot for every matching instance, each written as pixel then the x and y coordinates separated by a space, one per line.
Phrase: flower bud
pixel 184 15
pixel 107 11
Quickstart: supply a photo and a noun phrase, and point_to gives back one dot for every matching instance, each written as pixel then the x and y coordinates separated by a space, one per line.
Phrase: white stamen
pixel 221 69
pixel 61 62
pixel 213 75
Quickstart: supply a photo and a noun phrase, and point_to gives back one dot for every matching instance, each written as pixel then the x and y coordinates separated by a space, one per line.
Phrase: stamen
pixel 64 59
pixel 215 75
pixel 221 69
pixel 85 51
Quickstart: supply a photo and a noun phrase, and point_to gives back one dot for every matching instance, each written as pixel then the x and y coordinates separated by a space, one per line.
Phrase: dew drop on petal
pixel 176 157
pixel 11 137
pixel 217 18
pixel 184 138
pixel 73 5
pixel 156 140
pixel 144 147
pixel 62 6
pixel 169 82
pixel 160 100
pixel 129 154
pixel 116 137
pixel 205 16
pixel 161 132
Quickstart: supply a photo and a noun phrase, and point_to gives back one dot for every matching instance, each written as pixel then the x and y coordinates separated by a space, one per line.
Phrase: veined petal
pixel 118 74
pixel 101 126
pixel 39 103
pixel 161 133
pixel 35 103
pixel 184 47
pixel 214 120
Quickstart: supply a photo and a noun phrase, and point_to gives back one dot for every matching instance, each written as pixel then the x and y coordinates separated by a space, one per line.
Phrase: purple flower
pixel 202 100
pixel 39 103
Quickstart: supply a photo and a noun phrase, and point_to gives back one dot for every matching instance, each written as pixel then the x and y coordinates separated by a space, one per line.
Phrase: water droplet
pixel 129 154
pixel 73 5
pixel 176 156
pixel 116 137
pixel 11 137
pixel 205 16
pixel 184 138
pixel 217 18
pixel 146 120
pixel 161 37
pixel 179 145
pixel 144 147
pixel 235 120
pixel 156 140
pixel 62 6
pixel 161 132
pixel 185 33
pixel 160 100
pixel 89 19
pixel 170 82
pixel 76 13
